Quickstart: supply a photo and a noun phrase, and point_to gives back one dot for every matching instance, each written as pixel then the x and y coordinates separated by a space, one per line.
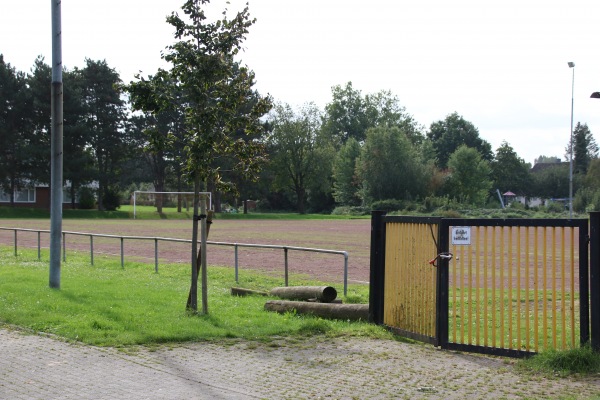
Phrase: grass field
pixel 108 305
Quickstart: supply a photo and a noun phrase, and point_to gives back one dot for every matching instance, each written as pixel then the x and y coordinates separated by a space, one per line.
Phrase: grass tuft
pixel 583 360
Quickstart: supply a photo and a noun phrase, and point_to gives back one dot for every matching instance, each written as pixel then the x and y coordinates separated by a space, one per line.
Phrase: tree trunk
pixel 324 294
pixel 352 312
pixel 209 219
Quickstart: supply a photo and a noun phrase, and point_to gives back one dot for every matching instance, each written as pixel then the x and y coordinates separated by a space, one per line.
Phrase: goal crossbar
pixel 207 195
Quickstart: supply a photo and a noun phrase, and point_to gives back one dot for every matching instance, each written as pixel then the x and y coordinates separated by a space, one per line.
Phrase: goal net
pixel 166 202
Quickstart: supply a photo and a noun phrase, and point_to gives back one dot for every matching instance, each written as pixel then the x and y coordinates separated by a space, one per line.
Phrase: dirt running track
pixel 352 236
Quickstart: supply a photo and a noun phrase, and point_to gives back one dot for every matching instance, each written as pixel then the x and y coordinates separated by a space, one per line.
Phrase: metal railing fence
pixel 156 240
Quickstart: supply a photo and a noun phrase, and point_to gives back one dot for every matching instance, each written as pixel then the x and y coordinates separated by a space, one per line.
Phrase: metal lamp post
pixel 571 65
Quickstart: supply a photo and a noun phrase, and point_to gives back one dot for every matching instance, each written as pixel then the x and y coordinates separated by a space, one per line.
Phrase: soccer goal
pixel 166 202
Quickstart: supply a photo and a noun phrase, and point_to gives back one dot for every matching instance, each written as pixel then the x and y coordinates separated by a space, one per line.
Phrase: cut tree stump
pixel 352 312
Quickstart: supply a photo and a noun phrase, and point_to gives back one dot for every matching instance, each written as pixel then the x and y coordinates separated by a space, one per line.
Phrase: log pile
pixel 351 312
pixel 319 301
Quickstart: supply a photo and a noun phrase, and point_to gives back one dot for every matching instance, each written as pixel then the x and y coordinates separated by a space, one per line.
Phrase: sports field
pixel 352 236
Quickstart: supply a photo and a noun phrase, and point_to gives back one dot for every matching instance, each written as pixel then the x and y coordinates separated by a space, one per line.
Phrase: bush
pixel 388 205
pixel 87 200
pixel 350 210
pixel 555 207
pixel 111 200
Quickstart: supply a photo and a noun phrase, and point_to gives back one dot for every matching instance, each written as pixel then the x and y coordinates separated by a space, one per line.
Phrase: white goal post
pixel 152 194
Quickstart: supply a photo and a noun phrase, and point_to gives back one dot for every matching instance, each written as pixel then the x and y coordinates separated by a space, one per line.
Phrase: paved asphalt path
pixel 41 367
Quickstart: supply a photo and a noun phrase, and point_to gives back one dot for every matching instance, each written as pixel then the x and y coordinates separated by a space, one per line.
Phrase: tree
pixel 469 180
pixel 15 130
pixel 214 88
pixel 546 160
pixel 585 148
pixel 300 154
pixel 105 125
pixel 390 167
pixel 350 114
pixel 552 182
pixel 509 171
pixel 451 133
pixel 346 184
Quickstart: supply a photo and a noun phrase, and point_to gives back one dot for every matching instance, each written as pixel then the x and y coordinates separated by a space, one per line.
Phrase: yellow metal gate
pixel 410 279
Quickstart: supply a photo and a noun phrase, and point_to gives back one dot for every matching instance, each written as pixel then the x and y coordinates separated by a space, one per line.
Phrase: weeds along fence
pixel 157 240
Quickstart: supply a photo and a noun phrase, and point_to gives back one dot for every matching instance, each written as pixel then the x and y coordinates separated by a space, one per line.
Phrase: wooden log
pixel 324 294
pixel 238 291
pixel 352 312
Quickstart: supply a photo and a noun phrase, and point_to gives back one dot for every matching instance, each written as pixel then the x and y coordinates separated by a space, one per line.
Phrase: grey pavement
pixel 41 367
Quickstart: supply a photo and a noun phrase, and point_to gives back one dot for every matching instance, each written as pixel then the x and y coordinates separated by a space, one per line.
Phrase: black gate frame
pixel 589 275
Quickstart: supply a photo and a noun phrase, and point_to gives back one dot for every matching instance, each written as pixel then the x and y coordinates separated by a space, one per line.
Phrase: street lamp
pixel 571 65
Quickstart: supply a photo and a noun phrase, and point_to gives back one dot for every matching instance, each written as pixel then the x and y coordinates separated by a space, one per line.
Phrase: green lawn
pixel 105 304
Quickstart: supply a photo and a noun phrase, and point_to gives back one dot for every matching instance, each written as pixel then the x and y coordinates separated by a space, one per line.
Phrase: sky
pixel 501 65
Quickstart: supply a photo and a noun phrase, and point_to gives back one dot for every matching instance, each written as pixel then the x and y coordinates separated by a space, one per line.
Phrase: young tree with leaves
pixel 214 88
pixel 469 179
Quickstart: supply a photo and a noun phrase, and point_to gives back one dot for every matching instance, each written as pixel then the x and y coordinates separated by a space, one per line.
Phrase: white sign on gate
pixel 461 235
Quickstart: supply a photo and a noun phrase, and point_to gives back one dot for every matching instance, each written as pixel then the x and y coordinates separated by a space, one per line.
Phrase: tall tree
pixel 390 166
pixel 585 148
pixel 469 180
pixel 104 123
pixel 299 152
pixel 509 171
pixel 15 130
pixel 552 182
pixel 39 83
pixel 451 133
pixel 350 114
pixel 346 185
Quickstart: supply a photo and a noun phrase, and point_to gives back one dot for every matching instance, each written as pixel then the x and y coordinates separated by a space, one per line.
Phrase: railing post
pixel 345 274
pixel 235 246
pixel 156 255
pixel 122 257
pixel 39 245
pixel 15 242
pixel 92 249
pixel 285 252
pixel 595 279
pixel 377 269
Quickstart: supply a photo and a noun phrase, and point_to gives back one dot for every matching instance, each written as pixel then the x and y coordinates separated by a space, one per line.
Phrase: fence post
pixel 64 242
pixel 595 279
pixel 285 252
pixel 39 245
pixel 92 249
pixel 122 256
pixel 156 256
pixel 235 247
pixel 15 242
pixel 377 270
pixel 441 323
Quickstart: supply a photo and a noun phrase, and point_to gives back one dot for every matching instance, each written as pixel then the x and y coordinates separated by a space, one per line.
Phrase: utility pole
pixel 56 147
